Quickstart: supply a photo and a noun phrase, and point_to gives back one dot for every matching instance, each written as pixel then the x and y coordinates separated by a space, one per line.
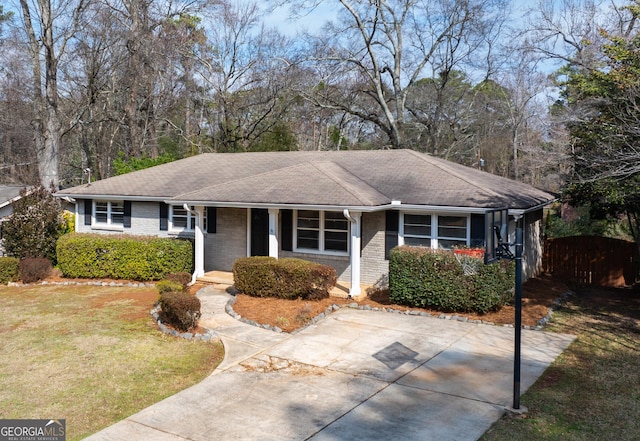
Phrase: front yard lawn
pixel 592 391
pixel 90 355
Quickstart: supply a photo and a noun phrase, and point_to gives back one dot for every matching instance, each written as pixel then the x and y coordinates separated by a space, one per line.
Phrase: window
pixel 417 230
pixel 452 231
pixel 184 220
pixel 430 230
pixel 109 213
pixel 322 231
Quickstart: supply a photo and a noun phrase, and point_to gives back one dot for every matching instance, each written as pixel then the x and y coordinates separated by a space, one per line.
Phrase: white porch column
pixel 356 225
pixel 273 232
pixel 199 243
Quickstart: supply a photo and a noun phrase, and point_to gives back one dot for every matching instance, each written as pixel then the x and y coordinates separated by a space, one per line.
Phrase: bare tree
pixel 248 72
pixel 48 27
pixel 377 50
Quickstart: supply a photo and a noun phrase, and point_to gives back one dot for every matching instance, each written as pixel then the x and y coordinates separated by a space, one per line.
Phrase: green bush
pixel 169 286
pixel 428 278
pixel 34 269
pixel 287 278
pixel 122 257
pixel 9 269
pixel 180 310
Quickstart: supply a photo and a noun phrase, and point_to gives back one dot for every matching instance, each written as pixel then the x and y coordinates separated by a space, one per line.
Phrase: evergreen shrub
pixel 423 277
pixel 169 286
pixel 9 270
pixel 287 278
pixel 123 257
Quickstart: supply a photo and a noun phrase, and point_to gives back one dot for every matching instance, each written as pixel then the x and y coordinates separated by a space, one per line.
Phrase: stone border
pixel 209 334
pixel 557 303
pixel 95 283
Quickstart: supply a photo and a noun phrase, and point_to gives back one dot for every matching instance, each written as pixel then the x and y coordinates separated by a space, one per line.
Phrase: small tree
pixel 35 225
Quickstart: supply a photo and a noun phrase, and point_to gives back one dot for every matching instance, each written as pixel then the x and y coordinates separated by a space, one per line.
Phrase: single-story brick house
pixel 346 209
pixel 8 195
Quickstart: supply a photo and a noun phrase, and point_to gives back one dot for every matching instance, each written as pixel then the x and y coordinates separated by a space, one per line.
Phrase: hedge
pixel 287 278
pixel 423 277
pixel 9 270
pixel 122 257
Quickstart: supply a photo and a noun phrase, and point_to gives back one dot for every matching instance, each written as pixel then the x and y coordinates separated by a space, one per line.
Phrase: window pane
pixel 417 241
pixel 179 217
pixel 335 241
pixel 448 244
pixel 309 219
pixel 101 212
pixel 452 227
pixel 117 212
pixel 308 239
pixel 416 224
pixel 331 224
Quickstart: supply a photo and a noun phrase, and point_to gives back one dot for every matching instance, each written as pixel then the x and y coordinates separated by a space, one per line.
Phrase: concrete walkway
pixel 355 375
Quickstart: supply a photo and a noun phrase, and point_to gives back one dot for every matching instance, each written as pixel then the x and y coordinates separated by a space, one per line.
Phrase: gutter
pixel 522 211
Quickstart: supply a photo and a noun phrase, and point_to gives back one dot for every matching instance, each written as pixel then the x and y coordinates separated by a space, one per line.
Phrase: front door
pixel 259 232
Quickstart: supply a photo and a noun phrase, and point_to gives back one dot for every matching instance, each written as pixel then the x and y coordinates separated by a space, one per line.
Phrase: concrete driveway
pixel 355 375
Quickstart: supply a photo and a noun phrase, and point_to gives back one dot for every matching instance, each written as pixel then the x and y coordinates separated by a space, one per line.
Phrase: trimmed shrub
pixel 9 269
pixel 34 269
pixel 123 257
pixel 429 278
pixel 180 310
pixel 288 278
pixel 169 286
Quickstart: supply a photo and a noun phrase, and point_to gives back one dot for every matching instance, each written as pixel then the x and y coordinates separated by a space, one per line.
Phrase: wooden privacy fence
pixel 591 260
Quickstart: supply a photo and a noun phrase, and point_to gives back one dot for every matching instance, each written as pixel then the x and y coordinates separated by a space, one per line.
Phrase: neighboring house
pixel 8 195
pixel 346 209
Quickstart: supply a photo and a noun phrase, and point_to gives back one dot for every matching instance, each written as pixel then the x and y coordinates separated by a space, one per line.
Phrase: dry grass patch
pixel 91 355
pixel 592 390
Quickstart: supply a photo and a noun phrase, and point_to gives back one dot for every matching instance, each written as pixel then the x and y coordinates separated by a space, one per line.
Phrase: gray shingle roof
pixel 361 178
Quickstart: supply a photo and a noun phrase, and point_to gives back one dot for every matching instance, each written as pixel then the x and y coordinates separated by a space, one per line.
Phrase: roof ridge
pixel 346 185
pixel 437 162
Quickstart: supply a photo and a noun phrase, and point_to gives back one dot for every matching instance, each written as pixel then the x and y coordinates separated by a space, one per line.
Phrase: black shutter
pixel 126 221
pixel 477 231
pixel 88 209
pixel 164 216
pixel 391 232
pixel 211 219
pixel 286 217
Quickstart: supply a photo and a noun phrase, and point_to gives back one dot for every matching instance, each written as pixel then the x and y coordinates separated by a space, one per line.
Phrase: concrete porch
pixel 341 289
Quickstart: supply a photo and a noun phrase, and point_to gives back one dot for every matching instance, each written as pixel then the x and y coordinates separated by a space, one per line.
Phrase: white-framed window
pixel 321 232
pixel 444 231
pixel 108 213
pixel 183 220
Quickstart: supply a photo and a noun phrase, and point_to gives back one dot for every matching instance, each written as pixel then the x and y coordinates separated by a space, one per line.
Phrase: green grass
pixel 592 391
pixel 90 355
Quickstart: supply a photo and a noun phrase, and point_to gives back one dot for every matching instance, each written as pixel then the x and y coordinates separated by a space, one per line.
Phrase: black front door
pixel 259 232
